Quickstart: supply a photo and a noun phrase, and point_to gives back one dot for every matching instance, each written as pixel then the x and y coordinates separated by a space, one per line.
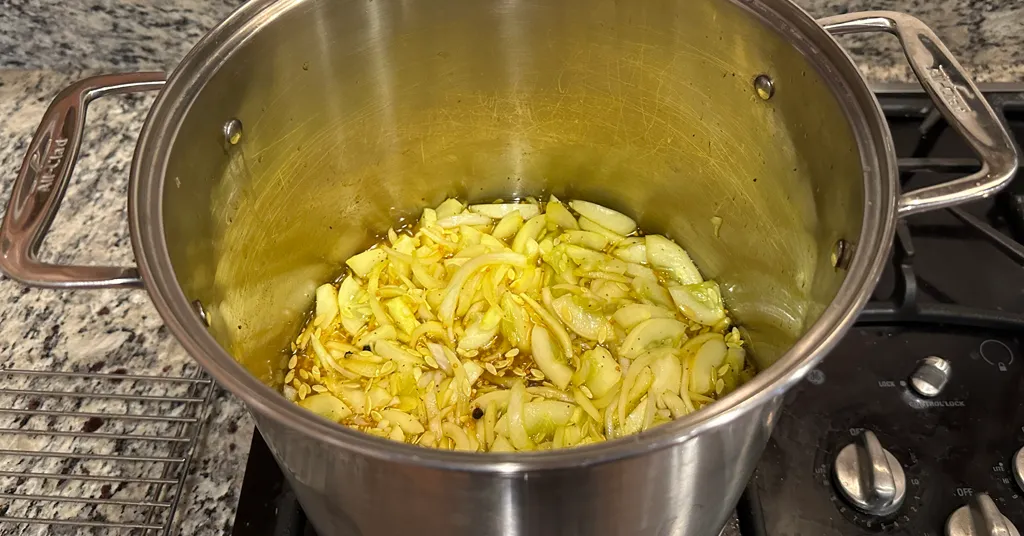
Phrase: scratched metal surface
pixel 369 119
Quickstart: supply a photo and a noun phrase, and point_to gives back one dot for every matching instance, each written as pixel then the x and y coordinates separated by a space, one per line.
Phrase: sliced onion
pixel 631 315
pixel 668 373
pixel 549 392
pixel 387 332
pixel 482 332
pixel 546 358
pixel 610 219
pixel 499 399
pixel 516 423
pixel 428 217
pixel 736 357
pixel 406 422
pixel 665 254
pixel 365 262
pixel 665 331
pixel 564 341
pixel 708 358
pixel 633 423
pixel 458 436
pixel 635 369
pixel 448 208
pixel 390 350
pixel 529 232
pixel 519 289
pixel 586 239
pixel 464 219
pixel 701 302
pixel 423 277
pixel 588 224
pixel 447 310
pixel 432 328
pixel 586 258
pixel 675 405
pixel 402 314
pixel 650 289
pixel 502 445
pixel 508 226
pixel 356 399
pixel 604 373
pixel 540 417
pixel 437 352
pixel 515 323
pixel 631 250
pixel 560 216
pixel 327 406
pixel 586 404
pixel 353 317
pixel 473 371
pixel 326 305
pixel 585 323
pixel 500 210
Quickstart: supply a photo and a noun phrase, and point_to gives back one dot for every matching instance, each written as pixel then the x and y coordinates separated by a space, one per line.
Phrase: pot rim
pixel 145 211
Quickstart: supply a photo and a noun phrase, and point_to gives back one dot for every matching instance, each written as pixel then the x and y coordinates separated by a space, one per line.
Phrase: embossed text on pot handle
pixel 43 179
pixel 956 97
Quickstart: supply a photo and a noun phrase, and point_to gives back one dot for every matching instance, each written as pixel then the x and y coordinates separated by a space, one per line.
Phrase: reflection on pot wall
pixel 987 37
pixel 373 113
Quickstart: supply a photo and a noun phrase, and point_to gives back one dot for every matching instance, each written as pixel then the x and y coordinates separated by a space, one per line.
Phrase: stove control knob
pixel 1018 468
pixel 870 477
pixel 930 377
pixel 979 518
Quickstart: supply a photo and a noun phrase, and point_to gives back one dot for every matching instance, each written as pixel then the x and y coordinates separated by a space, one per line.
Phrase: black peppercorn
pixel 478 413
pixel 366 348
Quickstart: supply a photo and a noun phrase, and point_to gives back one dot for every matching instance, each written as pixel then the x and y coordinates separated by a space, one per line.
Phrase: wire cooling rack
pixel 96 453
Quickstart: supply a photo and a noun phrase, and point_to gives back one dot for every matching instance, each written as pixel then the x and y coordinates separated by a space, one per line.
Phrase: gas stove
pixel 914 425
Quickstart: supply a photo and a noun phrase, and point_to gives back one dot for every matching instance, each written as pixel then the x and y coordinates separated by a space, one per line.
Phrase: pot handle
pixel 44 178
pixel 956 97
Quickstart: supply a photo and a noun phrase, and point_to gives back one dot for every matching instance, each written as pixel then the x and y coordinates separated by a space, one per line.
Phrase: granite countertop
pixel 57 41
pixel 107 330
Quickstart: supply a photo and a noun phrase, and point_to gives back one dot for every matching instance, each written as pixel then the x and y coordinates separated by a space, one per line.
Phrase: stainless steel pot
pixel 296 129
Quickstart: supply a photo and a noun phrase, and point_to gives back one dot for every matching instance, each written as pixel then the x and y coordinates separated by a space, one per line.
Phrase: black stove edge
pixel 279 509
pixel 749 512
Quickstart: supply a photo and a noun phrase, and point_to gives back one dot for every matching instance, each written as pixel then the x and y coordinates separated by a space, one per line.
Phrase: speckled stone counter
pixel 987 36
pixel 104 331
pixel 45 44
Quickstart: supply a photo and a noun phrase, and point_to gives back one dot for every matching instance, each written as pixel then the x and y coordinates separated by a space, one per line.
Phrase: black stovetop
pixel 954 289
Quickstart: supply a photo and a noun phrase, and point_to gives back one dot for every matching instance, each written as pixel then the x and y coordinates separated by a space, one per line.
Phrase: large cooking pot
pixel 297 129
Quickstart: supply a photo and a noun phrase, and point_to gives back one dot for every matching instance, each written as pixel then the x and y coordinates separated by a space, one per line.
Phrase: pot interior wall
pixel 358 113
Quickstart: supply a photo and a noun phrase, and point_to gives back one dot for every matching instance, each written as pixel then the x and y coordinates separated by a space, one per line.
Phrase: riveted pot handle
pixel 956 97
pixel 43 179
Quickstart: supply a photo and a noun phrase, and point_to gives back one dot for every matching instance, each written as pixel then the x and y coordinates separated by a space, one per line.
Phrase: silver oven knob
pixel 980 517
pixel 1018 468
pixel 870 477
pixel 930 376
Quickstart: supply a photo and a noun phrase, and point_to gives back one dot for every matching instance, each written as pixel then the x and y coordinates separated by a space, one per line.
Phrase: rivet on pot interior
pixel 198 307
pixel 764 86
pixel 233 131
pixel 842 253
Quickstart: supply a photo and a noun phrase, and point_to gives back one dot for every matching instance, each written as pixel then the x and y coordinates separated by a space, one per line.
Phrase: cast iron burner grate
pixel 957 270
pixel 928 162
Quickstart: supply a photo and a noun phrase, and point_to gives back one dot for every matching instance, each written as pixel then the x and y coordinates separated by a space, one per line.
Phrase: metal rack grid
pixel 96 453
